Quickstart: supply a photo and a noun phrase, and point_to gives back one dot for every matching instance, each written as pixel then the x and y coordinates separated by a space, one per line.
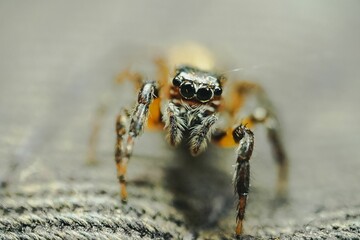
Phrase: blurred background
pixel 58 62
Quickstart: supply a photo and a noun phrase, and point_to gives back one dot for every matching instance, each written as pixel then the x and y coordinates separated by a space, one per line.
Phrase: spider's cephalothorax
pixel 187 105
pixel 196 84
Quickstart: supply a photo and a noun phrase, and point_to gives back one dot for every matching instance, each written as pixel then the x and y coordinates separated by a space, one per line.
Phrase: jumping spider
pixel 187 104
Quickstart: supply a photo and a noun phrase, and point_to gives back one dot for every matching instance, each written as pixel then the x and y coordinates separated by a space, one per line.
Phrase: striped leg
pixel 201 134
pixel 139 117
pixel 269 120
pixel 174 124
pixel 262 114
pixel 245 138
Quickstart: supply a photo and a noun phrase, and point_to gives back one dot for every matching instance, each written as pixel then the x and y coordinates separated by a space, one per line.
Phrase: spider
pixel 187 102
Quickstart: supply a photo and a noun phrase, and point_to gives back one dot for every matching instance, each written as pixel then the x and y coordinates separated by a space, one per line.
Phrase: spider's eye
pixel 176 81
pixel 217 91
pixel 187 90
pixel 204 94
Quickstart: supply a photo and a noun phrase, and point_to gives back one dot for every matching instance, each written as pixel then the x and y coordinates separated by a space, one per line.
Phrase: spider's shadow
pixel 202 191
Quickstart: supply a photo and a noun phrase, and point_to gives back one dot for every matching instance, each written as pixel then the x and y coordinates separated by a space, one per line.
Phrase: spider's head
pixel 196 84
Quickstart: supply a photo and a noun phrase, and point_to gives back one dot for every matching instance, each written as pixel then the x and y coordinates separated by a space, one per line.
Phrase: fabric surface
pixel 57 67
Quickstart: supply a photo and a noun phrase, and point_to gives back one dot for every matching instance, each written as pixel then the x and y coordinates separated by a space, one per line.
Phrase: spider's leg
pixel 155 121
pixel 274 136
pixel 264 114
pixel 201 133
pixel 245 137
pixel 266 117
pixel 139 117
pixel 137 79
pixel 134 77
pixel 174 124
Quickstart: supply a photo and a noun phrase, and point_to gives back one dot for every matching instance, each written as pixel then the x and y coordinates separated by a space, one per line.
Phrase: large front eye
pixel 187 90
pixel 204 94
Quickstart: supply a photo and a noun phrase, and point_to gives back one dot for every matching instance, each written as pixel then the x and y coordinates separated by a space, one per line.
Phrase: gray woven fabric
pixel 58 61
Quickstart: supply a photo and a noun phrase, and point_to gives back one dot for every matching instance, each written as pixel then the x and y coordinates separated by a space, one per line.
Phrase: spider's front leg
pixel 245 138
pixel 123 150
pixel 263 114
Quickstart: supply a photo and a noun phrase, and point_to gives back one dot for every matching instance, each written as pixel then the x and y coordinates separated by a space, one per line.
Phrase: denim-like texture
pixel 58 62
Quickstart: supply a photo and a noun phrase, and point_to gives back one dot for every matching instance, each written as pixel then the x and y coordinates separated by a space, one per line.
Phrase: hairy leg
pixel 244 139
pixel 201 133
pixel 243 136
pixel 139 117
pixel 264 114
pixel 174 124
